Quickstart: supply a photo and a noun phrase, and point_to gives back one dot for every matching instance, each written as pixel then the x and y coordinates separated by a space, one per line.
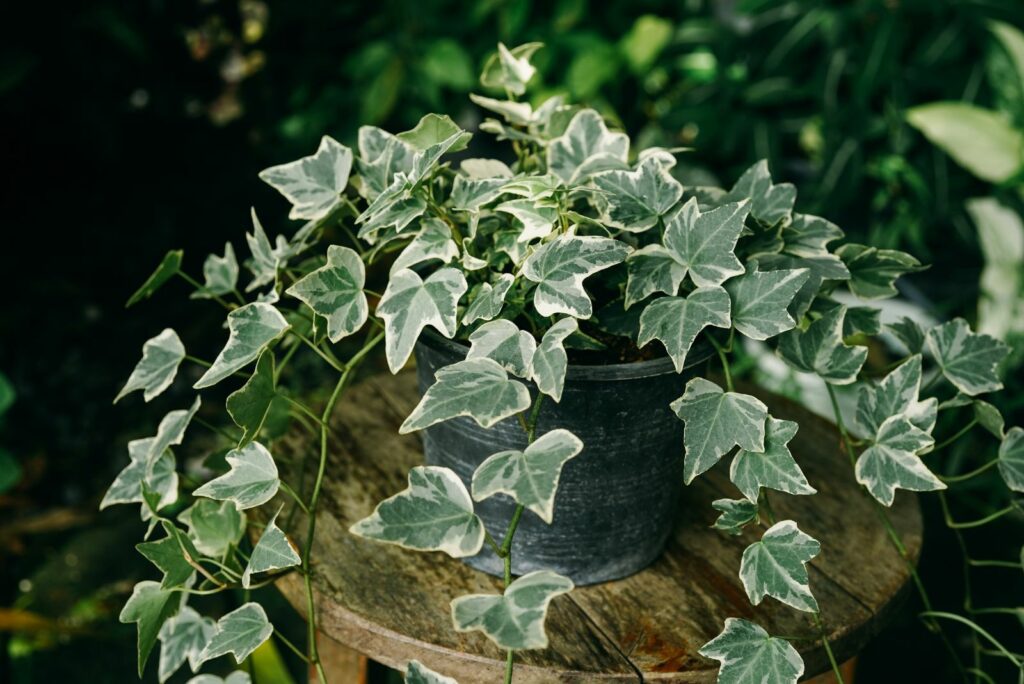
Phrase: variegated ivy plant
pixel 577 242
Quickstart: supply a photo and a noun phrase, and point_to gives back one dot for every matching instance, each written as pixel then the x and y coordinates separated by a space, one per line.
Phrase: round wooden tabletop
pixel 392 604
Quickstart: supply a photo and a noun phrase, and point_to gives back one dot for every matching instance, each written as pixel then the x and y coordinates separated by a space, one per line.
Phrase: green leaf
pixel 410 304
pixel 503 342
pixel 252 480
pixel 775 468
pixel 1005 68
pixel 183 637
pixel 510 69
pixel 749 655
pixel 10 470
pixel 250 329
pixel 989 417
pixel 873 271
pixel 892 463
pixel 515 620
pixel 760 300
pixel 537 219
pixel 418 673
pixel 267 259
pixel 980 140
pixel 770 203
pixel 170 432
pixel 805 245
pixel 489 300
pixel 435 513
pixel 531 476
pixel 335 291
pixel 676 321
pixel 220 273
pixel 644 41
pixel 1011 459
pixel 736 514
pixel 248 406
pixel 1001 234
pixel 550 361
pixel 7 394
pixel 820 349
pixel 213 526
pixel 471 194
pixel 161 356
pixel 239 633
pixel 434 241
pixel 167 269
pixel 968 360
pixel 861 320
pixel 313 184
pixel 909 333
pixel 272 552
pixel 715 421
pixel 149 606
pixel 236 677
pixel 651 269
pixel 434 129
pixel 774 567
pixel 168 555
pixel 585 148
pixel 896 395
pixel 159 475
pixel 560 266
pixel 478 388
pixel 381 156
pixel 703 242
pixel 636 200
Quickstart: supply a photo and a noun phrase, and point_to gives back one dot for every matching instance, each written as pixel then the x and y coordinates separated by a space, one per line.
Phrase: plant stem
pixel 333 363
pixel 194 283
pixel 198 361
pixel 828 648
pixel 217 429
pixel 994 564
pixel 962 543
pixel 963 431
pixel 988 637
pixel 967 476
pixel 291 492
pixel 980 521
pixel 725 363
pixel 287 642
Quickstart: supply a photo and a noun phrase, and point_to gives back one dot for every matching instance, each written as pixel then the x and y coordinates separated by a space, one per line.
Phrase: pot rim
pixel 633 370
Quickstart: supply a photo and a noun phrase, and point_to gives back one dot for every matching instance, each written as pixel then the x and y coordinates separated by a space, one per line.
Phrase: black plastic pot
pixel 616 500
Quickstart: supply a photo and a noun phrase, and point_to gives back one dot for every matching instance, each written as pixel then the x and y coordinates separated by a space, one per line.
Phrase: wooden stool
pixel 392 605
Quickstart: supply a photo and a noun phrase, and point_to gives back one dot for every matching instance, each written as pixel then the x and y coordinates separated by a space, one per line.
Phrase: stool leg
pixel 341 664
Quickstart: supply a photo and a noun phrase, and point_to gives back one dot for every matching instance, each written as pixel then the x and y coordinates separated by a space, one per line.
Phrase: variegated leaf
pixel 169 556
pixel 503 342
pixel 586 148
pixel 239 633
pixel 510 69
pixel 471 194
pixel 774 468
pixel 676 321
pixel 515 620
pixel 251 481
pixel 560 266
pixel 873 271
pixel 968 360
pixel 410 304
pixel 652 269
pixel 313 184
pixel 433 130
pixel 434 241
pixel 235 677
pixel 418 673
pixel 550 362
pixel 892 463
pixel 249 405
pixel 335 291
pixel 1011 459
pixel 909 333
pixel 159 474
pixel 220 274
pixel 161 356
pixel 478 388
pixel 183 637
pixel 703 242
pixel 771 203
pixel 250 329
pixel 267 259
pixel 749 655
pixel 536 219
pixel 435 513
pixel 273 551
pixel 213 526
pixel 760 300
pixel 531 476
pixel 820 349
pixel 714 422
pixel 149 607
pixel 636 200
pixel 736 514
pixel 489 300
pixel 381 156
pixel 774 567
pixel 896 395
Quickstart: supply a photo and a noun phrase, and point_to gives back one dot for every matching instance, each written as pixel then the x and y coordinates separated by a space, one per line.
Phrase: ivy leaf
pixel 161 356
pixel 820 349
pixel 774 567
pixel 239 633
pixel 503 342
pixel 213 526
pixel 510 69
pixel 550 361
pixel 760 300
pixel 586 148
pixel 236 677
pixel 418 673
pixel 394 208
pixel 335 291
pixel 896 395
pixel 805 245
pixel 149 606
pixel 968 360
pixel 652 269
pixel 168 555
pixel 715 421
pixel 703 242
pixel 435 129
pixel 435 513
pixel 909 333
pixel 873 271
pixel 160 475
pixel 170 432
pixel 861 320
pixel 478 388
pixel 637 199
pixel 771 203
pixel 489 300
pixel 676 321
pixel 749 655
pixel 1011 459
pixel 248 406
pixel 313 184
pixel 515 620
pixel 250 329
pixel 381 156
pixel 530 476
pixel 736 514
pixel 252 480
pixel 891 462
pixel 471 194
pixel 434 241
pixel 267 259
pixel 775 468
pixel 220 274
pixel 560 266
pixel 537 219
pixel 272 552
pixel 183 637
pixel 167 269
pixel 989 417
pixel 410 304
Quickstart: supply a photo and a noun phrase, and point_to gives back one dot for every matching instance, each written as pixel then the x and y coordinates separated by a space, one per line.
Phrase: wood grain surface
pixel 393 605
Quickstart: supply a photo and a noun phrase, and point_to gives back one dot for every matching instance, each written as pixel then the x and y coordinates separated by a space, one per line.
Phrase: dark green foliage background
pixel 122 138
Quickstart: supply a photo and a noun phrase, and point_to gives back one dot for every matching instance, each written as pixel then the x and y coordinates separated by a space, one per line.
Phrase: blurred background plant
pixel 132 127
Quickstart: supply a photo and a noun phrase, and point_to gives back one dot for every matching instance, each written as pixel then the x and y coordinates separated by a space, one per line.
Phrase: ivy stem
pixel 725 362
pixel 994 564
pixel 291 492
pixel 828 648
pixel 305 410
pixel 980 521
pixel 963 431
pixel 217 429
pixel 981 632
pixel 968 601
pixel 195 283
pixel 967 476
pixel 332 362
pixel 287 642
pixel 198 361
